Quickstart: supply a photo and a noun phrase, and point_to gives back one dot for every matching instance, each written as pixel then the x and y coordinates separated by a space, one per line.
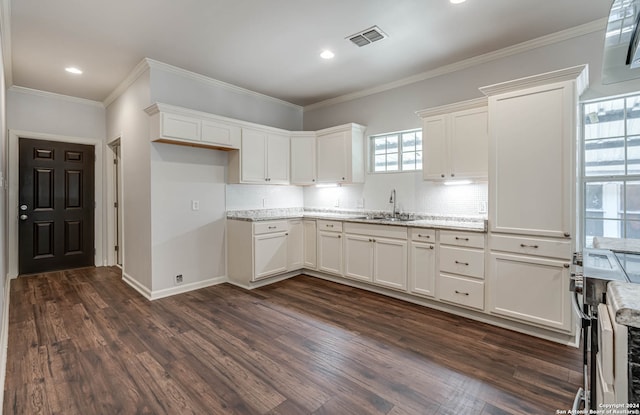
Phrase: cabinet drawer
pixel 553 248
pixel 461 291
pixel 329 225
pixel 462 261
pixel 270 227
pixel 472 240
pixel 424 235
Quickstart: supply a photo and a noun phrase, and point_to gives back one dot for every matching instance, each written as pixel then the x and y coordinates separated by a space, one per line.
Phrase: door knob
pixel 23 217
pixel 23 207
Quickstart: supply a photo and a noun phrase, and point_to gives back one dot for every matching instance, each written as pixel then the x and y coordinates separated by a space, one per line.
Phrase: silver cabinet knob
pixel 24 217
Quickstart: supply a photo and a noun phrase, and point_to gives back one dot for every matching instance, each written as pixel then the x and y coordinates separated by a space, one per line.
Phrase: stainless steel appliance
pixel 593 270
pixel 621 60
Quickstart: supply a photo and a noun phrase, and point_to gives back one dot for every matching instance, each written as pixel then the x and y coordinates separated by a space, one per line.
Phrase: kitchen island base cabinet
pixel 531 289
pixel 261 250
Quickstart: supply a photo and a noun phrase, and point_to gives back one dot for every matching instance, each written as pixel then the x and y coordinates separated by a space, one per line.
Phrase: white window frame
pixel 372 151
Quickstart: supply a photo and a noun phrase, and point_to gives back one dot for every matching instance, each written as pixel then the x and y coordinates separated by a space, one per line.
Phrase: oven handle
pixel 576 401
pixel 576 306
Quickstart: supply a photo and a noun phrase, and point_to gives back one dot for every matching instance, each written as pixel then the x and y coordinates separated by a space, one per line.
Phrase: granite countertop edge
pixel 624 298
pixel 452 223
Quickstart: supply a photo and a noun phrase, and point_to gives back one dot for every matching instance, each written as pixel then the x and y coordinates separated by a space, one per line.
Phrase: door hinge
pixel 115 161
pixel 115 204
pixel 117 248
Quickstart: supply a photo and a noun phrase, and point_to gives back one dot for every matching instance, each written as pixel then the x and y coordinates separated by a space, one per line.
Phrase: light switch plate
pixel 195 205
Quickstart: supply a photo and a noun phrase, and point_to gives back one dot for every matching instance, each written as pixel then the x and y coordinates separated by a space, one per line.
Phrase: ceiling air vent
pixel 370 35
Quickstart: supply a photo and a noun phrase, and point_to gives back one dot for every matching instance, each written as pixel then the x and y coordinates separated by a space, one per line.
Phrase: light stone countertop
pixel 417 220
pixel 624 299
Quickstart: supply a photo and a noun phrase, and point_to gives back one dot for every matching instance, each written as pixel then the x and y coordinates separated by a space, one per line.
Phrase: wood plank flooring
pixel 83 342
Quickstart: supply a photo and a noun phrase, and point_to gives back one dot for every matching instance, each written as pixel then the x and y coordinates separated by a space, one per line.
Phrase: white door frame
pixel 111 234
pixel 13 193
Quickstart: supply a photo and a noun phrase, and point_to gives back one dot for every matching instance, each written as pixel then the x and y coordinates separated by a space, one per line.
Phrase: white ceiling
pixel 269 46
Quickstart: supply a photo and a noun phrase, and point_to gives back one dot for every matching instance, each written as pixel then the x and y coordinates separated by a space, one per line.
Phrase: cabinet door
pixel 422 268
pixel 332 157
pixel 531 289
pixel 278 159
pixel 531 160
pixel 295 245
pixel 180 127
pixel 254 156
pixel 270 252
pixel 358 257
pixel 330 252
pixel 222 134
pixel 303 159
pixel 469 144
pixel 310 244
pixel 435 163
pixel 390 263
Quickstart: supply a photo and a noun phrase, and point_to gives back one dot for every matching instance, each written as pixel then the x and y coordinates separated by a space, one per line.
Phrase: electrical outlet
pixel 482 208
pixel 195 205
pixel 179 279
pixel 337 204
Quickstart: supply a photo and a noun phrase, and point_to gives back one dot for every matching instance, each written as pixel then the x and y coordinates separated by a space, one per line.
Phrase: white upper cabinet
pixel 455 141
pixel 532 153
pixel 263 158
pixel 176 125
pixel 340 154
pixel 303 158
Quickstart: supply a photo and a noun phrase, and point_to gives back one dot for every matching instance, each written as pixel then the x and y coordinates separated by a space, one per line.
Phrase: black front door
pixel 56 206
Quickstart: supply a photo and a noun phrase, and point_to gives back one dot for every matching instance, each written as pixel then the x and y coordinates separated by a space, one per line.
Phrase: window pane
pixel 392 144
pixel 409 160
pixel 381 163
pixel 633 200
pixel 604 157
pixel 633 115
pixel 633 155
pixel 380 144
pixel 633 228
pixel 392 162
pixel 603 227
pixel 604 119
pixel 408 142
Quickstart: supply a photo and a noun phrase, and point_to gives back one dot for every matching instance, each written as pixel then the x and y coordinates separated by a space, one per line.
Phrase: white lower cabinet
pixel 310 244
pixel 295 245
pixel 461 276
pixel 422 262
pixel 377 254
pixel 330 247
pixel 270 253
pixel 531 289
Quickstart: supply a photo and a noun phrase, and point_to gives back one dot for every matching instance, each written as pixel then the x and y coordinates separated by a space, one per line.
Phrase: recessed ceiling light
pixel 456 1
pixel 327 54
pixel 73 70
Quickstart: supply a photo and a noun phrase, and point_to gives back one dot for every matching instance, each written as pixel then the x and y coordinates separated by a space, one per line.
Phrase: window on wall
pixel 394 152
pixel 611 170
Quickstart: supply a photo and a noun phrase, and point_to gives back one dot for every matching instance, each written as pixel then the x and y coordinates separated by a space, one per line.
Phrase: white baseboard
pixel 183 288
pixel 133 283
pixel 266 281
pixel 4 336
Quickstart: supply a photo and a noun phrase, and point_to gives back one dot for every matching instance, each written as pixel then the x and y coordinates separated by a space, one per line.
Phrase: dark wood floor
pixel 83 342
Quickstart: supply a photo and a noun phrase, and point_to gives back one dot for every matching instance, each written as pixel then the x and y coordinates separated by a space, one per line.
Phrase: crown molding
pixel 550 39
pixel 214 82
pixel 458 106
pixel 580 72
pixel 142 67
pixel 53 95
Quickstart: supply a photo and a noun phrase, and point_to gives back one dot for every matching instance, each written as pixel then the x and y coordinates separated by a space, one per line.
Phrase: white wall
pixel 43 112
pixel 186 241
pixel 126 119
pixel 175 86
pixel 249 196
pixel 394 110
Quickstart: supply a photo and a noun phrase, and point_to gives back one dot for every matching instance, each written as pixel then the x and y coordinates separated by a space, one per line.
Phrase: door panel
pixel 56 224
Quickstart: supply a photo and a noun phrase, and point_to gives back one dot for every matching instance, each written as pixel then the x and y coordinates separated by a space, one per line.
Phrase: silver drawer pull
pixel 462 263
pixel 462 239
pixel 329 226
pixel 273 227
pixel 461 293
pixel 528 246
pixel 423 236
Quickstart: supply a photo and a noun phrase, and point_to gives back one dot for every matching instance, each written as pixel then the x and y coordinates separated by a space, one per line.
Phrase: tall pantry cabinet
pixel 533 125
